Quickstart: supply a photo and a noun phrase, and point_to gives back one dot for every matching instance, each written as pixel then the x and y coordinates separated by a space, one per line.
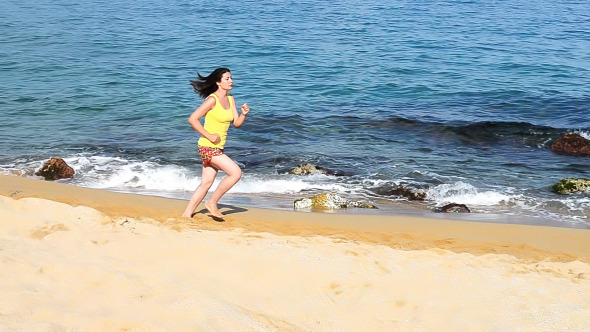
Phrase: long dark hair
pixel 206 85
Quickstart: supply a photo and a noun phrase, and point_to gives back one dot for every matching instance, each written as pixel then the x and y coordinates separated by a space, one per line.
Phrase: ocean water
pixel 461 99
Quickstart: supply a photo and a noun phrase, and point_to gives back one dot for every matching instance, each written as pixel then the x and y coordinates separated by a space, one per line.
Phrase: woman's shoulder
pixel 210 101
pixel 215 96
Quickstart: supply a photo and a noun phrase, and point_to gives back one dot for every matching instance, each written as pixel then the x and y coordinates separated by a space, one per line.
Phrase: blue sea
pixel 461 99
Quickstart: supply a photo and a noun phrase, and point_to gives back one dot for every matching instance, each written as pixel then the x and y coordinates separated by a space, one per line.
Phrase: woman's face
pixel 226 83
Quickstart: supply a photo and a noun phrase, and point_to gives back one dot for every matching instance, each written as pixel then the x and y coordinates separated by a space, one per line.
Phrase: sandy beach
pixel 81 259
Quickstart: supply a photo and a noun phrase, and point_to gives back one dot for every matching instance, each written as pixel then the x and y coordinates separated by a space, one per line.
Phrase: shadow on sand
pixel 226 210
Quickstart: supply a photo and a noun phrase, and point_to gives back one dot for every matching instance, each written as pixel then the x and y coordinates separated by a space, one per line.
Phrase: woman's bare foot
pixel 212 208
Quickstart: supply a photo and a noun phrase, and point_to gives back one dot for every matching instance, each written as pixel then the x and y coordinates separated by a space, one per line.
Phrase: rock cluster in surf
pixel 329 201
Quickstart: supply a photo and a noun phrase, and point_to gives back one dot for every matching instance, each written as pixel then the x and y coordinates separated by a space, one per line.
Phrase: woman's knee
pixel 228 166
pixel 234 170
pixel 237 174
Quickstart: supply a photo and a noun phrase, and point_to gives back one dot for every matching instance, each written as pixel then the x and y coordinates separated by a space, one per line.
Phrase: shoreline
pixel 394 209
pixel 405 232
pixel 87 259
pixel 500 212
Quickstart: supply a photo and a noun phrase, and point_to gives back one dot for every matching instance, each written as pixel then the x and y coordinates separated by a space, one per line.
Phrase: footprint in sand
pixel 42 232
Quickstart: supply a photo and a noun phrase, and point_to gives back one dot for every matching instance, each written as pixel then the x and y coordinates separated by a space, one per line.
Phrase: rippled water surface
pixel 459 98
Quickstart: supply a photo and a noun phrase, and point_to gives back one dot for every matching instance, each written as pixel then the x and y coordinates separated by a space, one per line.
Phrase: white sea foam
pixel 284 184
pixel 166 178
pixel 584 134
pixel 563 208
pixel 121 174
pixel 464 193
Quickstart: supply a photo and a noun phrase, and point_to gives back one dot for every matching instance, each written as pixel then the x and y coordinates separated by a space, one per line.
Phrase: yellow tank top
pixel 217 121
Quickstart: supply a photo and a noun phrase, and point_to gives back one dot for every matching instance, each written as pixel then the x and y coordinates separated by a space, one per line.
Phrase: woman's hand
pixel 214 138
pixel 240 118
pixel 245 109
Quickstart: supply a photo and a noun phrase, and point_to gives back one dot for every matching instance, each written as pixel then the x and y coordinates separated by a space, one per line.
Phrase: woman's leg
pixel 207 179
pixel 234 173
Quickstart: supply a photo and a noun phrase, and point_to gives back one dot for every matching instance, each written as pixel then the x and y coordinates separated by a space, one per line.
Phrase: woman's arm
pixel 200 112
pixel 240 118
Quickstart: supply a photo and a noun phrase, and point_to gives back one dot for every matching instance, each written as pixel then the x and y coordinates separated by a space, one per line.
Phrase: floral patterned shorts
pixel 207 153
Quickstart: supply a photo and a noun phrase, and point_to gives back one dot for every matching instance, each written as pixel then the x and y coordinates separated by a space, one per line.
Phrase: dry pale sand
pixel 79 259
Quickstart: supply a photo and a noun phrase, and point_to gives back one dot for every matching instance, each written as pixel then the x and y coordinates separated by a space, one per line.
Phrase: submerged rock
pixel 454 208
pixel 571 185
pixel 309 169
pixel 55 169
pixel 330 201
pixel 17 172
pixel 572 144
pixel 412 195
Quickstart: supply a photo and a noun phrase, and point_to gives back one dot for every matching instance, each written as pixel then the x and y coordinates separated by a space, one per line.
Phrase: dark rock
pixel 571 185
pixel 329 201
pixel 572 144
pixel 55 169
pixel 454 208
pixel 410 194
